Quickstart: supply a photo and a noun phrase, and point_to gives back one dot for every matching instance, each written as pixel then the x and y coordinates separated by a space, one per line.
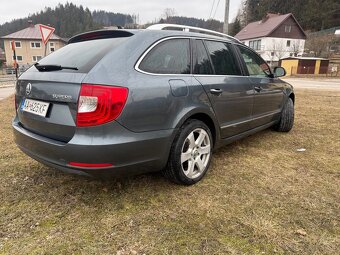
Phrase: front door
pixel 268 97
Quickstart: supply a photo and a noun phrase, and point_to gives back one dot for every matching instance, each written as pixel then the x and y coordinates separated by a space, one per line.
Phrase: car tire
pixel 287 117
pixel 190 153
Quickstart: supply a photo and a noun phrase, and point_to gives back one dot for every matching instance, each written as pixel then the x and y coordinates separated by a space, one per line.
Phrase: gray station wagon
pixel 133 101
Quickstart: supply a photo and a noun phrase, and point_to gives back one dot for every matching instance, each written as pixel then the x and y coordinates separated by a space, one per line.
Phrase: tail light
pixel 100 104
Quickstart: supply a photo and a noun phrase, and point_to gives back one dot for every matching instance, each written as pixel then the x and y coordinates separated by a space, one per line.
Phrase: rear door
pixel 268 97
pixel 231 95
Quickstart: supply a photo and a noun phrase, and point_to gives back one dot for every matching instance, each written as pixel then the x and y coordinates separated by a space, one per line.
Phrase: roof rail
pixel 190 29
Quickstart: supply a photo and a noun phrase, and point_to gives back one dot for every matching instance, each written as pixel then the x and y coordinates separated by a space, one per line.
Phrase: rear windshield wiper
pixel 49 68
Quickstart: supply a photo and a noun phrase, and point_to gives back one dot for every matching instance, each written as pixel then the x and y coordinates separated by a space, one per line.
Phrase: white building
pixel 274 37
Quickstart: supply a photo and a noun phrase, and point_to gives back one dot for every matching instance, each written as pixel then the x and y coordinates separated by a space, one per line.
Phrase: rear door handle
pixel 216 92
pixel 258 89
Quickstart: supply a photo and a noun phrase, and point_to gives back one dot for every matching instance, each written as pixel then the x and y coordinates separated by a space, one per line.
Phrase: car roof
pixel 114 33
pixel 166 33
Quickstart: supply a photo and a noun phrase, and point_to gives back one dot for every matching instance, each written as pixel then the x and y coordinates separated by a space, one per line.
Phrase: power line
pixel 218 3
pixel 212 8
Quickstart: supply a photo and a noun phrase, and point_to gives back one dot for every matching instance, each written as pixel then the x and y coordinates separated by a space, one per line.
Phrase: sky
pixel 148 10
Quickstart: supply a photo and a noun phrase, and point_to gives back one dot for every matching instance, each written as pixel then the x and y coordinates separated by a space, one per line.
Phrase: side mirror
pixel 279 71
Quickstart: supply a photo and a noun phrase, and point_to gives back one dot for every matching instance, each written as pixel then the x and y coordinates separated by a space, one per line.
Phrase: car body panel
pixel 268 100
pixel 61 91
pixel 115 147
pixel 234 106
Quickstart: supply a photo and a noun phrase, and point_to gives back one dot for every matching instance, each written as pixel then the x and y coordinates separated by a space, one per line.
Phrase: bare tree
pixel 276 52
pixel 169 12
pixel 278 49
pixel 318 46
pixel 295 48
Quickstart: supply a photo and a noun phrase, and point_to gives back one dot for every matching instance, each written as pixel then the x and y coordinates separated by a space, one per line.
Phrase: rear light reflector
pixel 87 165
pixel 100 104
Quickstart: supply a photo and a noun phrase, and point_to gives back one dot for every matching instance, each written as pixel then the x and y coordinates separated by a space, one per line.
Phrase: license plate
pixel 35 107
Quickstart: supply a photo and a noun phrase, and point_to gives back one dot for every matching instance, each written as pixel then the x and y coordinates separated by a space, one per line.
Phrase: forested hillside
pixel 111 19
pixel 208 24
pixel 68 20
pixel 313 15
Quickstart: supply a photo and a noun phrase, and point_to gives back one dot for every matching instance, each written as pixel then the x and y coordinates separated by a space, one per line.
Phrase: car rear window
pixel 168 57
pixel 83 55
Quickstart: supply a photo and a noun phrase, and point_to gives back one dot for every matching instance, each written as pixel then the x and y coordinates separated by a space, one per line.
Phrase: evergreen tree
pixel 312 14
pixel 235 27
pixel 68 20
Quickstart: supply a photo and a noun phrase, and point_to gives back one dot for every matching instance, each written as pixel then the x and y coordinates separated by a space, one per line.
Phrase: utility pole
pixel 226 17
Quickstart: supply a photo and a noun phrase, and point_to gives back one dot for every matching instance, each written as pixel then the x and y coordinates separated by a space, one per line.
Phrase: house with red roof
pixel 275 37
pixel 28 45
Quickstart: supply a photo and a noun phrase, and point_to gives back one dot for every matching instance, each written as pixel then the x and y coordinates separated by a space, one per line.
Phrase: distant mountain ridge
pixel 70 19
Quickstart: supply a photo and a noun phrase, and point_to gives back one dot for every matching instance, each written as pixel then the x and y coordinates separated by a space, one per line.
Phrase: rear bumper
pixel 130 153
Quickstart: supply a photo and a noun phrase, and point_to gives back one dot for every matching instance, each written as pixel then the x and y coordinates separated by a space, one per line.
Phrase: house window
pixel 36 58
pixel 288 28
pixel 288 43
pixel 256 45
pixel 52 47
pixel 272 53
pixel 17 44
pixel 35 45
pixel 19 58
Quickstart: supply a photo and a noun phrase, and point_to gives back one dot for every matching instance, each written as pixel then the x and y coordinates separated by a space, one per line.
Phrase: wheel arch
pixel 207 118
pixel 292 96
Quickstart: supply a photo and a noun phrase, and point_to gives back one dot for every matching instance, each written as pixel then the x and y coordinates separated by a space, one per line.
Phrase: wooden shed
pixel 304 65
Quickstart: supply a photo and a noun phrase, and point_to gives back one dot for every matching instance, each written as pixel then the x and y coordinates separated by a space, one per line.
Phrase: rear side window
pixel 222 58
pixel 83 55
pixel 168 57
pixel 201 63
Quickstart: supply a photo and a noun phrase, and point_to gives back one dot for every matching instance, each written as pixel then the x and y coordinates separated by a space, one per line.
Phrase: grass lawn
pixel 260 196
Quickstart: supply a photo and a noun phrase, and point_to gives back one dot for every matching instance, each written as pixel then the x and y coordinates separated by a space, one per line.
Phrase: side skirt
pixel 243 135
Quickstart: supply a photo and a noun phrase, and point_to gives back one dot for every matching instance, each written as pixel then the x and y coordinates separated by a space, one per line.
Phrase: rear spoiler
pixel 100 34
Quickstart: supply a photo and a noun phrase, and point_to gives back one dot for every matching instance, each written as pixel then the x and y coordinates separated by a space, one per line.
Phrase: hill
pixel 207 24
pixel 313 15
pixel 68 20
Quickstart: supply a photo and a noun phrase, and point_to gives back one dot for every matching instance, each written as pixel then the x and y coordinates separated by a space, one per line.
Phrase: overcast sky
pixel 148 10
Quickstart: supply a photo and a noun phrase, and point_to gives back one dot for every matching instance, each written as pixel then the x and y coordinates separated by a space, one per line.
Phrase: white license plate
pixel 35 107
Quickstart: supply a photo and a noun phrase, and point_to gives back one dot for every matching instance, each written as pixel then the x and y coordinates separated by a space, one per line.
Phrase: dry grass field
pixel 261 196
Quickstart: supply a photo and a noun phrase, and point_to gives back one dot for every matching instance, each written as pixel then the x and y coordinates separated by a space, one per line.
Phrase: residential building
pixel 274 37
pixel 2 57
pixel 28 45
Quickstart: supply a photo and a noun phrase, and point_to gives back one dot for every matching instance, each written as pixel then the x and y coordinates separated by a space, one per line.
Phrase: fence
pixel 11 70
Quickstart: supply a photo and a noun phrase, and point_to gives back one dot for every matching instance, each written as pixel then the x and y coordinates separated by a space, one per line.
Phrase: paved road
pixel 6 92
pixel 317 84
